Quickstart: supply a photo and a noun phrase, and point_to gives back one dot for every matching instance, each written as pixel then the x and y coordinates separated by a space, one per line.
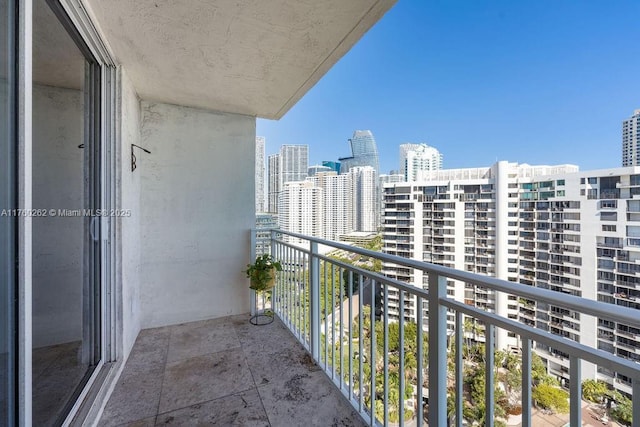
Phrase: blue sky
pixel 541 82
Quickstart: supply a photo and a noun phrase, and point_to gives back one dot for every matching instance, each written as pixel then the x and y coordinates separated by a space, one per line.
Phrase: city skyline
pixel 525 75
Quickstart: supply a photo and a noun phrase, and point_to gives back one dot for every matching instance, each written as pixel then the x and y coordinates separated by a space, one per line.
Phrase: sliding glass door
pixel 66 189
pixel 8 205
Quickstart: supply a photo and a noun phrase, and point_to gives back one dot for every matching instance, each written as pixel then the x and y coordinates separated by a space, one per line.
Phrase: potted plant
pixel 262 272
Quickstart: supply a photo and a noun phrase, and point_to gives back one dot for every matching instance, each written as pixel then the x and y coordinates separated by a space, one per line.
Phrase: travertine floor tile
pixel 135 397
pixel 204 378
pixel 307 399
pixel 242 409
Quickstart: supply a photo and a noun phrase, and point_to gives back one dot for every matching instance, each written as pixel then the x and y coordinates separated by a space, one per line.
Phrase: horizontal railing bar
pixel 292 246
pixel 586 306
pixel 378 277
pixel 590 354
pixel 303 258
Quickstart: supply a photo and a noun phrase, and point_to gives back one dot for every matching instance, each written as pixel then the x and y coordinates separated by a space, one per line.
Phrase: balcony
pixel 308 297
pixel 224 372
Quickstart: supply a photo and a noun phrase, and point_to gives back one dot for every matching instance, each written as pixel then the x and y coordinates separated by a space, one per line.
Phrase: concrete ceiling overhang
pixel 253 57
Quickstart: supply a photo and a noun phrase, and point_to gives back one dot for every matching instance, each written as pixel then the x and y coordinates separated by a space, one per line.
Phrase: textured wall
pixel 129 225
pixel 197 204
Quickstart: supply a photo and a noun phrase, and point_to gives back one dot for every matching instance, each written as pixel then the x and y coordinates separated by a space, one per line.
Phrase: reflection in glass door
pixel 8 204
pixel 66 238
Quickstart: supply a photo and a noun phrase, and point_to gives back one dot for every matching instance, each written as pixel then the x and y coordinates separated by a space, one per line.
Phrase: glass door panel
pixel 7 215
pixel 66 190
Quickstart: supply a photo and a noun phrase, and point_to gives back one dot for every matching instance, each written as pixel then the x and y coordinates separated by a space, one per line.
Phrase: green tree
pixel 475 379
pixel 594 391
pixel 623 410
pixel 551 397
pixel 539 372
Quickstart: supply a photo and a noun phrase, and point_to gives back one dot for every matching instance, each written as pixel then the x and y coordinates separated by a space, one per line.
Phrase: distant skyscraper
pixel 390 178
pixel 337 203
pixel 333 165
pixel 404 149
pixel 364 152
pixel 300 208
pixel 274 182
pixel 316 169
pixel 260 173
pixel 631 140
pixel 415 159
pixel 365 200
pixel 265 222
pixel 291 164
pixel 294 163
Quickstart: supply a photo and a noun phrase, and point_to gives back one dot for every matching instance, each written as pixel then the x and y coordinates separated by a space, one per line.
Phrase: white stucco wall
pixel 129 225
pixel 57 242
pixel 197 206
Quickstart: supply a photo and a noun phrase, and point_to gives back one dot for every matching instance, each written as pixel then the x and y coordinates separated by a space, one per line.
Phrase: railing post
pixel 272 252
pixel 526 382
pixel 635 399
pixel 252 257
pixel 489 383
pixel 575 388
pixel 314 303
pixel 437 351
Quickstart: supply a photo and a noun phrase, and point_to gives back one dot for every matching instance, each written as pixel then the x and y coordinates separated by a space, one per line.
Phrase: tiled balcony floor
pixel 224 372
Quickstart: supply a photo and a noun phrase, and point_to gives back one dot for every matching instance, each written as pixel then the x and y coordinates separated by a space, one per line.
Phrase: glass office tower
pixel 364 152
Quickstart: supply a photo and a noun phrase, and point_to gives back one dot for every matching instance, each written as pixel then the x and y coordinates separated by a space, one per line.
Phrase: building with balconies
pixel 546 227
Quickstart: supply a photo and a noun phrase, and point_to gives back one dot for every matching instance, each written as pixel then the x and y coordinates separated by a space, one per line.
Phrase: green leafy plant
pixel 551 397
pixel 263 272
pixel 594 390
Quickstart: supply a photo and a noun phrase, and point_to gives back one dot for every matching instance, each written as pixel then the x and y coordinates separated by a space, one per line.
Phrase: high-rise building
pixel 316 169
pixel 631 140
pixel 265 222
pixel 335 166
pixel 274 182
pixel 383 179
pixel 364 152
pixel 390 178
pixel 301 210
pixel 365 200
pixel 404 149
pixel 294 163
pixel 415 159
pixel 338 202
pixel 260 142
pixel 550 227
pixel 290 164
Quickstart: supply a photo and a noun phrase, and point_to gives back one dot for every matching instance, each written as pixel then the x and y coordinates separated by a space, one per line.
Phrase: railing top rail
pixel 379 278
pixel 586 306
pixel 599 357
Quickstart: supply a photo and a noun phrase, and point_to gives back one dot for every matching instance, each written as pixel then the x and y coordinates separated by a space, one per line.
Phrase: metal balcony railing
pixel 391 379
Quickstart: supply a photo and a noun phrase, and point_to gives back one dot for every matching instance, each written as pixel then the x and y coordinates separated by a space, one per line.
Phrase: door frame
pixel 110 349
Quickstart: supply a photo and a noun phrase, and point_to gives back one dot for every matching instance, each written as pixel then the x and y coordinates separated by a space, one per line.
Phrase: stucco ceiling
pixel 254 57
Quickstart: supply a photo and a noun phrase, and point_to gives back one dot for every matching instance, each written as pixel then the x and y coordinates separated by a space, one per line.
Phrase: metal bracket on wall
pixel 133 156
